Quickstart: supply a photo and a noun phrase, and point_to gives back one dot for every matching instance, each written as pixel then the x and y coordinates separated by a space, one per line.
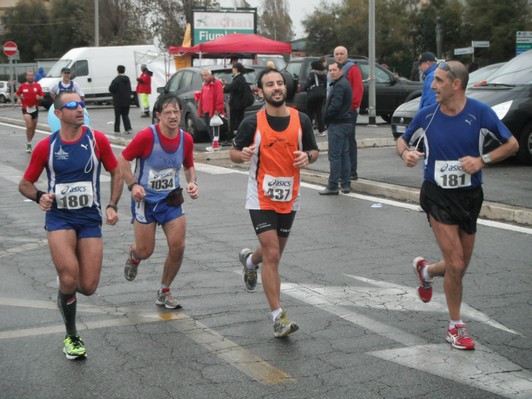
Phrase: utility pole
pixel 438 38
pixel 96 24
pixel 372 101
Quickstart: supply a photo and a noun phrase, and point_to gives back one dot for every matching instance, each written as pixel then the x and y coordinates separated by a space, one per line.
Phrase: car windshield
pixel 226 75
pixel 517 71
pixel 55 72
pixel 483 73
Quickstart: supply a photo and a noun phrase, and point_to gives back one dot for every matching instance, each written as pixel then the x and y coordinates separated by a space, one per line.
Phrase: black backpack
pixel 248 97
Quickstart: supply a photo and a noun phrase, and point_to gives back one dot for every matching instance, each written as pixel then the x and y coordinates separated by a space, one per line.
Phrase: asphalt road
pixel 347 281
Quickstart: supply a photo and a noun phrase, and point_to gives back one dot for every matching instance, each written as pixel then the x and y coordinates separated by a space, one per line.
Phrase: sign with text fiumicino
pixel 523 41
pixel 210 25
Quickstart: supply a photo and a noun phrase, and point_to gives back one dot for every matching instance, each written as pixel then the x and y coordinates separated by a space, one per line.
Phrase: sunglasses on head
pixel 443 65
pixel 73 105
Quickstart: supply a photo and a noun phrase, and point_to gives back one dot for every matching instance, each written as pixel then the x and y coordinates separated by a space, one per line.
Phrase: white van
pixel 93 69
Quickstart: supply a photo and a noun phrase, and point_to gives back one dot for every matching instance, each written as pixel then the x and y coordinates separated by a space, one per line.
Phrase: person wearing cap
pixel 144 89
pixel 427 66
pixel 66 84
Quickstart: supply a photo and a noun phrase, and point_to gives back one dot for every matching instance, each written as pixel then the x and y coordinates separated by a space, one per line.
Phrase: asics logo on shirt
pixel 69 189
pixel 450 168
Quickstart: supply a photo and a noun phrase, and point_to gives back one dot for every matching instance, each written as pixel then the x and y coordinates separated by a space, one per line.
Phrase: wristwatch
pixel 486 158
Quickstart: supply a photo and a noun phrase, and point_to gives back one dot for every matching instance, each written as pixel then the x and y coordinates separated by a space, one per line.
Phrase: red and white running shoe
pixel 424 290
pixel 459 338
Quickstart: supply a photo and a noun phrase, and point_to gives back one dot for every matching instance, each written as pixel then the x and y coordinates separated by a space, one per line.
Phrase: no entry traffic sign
pixel 10 49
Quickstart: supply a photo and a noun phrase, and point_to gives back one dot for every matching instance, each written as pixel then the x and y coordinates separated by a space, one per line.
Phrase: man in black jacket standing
pixel 237 104
pixel 338 119
pixel 120 88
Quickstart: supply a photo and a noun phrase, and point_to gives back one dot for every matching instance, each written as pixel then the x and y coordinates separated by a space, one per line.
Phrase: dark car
pixel 390 91
pixel 187 81
pixel 509 93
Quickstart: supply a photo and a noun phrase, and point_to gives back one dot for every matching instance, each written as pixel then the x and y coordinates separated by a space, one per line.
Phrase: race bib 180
pixel 74 195
pixel 449 174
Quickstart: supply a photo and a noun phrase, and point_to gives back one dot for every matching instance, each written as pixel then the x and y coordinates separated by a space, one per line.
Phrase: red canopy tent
pixel 236 43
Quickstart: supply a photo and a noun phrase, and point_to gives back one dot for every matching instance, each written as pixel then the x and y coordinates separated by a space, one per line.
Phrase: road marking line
pixel 242 359
pixel 390 296
pixel 481 368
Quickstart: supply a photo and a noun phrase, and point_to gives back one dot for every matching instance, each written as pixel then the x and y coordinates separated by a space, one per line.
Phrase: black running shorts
pixel 271 220
pixel 452 206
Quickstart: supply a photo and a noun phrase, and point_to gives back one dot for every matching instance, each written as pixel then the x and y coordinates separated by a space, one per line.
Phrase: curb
pixel 490 210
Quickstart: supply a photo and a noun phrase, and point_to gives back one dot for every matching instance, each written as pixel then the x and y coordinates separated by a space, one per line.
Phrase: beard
pixel 275 103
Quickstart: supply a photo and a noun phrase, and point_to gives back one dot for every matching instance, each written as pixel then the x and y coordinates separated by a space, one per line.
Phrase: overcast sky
pixel 299 9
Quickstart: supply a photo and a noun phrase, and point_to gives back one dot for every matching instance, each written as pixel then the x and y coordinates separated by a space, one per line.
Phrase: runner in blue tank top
pixel 73 157
pixel 160 151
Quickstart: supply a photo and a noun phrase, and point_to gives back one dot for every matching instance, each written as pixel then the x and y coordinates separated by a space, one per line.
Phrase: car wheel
pixel 525 144
pixel 3 99
pixel 387 118
pixel 190 127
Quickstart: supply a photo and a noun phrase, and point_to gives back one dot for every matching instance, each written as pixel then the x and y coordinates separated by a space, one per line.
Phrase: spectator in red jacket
pixel 211 99
pixel 144 89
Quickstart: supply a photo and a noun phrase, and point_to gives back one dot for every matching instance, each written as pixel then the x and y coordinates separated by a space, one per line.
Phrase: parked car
pixel 509 93
pixel 4 91
pixel 186 81
pixel 390 91
pixel 404 114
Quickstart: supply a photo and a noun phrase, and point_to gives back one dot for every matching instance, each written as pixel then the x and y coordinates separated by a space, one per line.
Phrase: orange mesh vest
pixel 277 177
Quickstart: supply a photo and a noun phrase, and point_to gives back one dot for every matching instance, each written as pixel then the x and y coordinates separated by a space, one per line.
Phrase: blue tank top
pixel 73 171
pixel 159 172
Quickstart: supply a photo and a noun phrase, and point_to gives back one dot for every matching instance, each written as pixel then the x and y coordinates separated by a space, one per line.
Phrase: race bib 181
pixel 449 174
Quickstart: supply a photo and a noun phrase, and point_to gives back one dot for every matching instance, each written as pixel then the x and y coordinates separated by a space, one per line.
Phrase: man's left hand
pixel 471 165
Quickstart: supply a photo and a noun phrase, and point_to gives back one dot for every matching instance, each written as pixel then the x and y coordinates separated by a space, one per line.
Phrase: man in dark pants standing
pixel 354 76
pixel 237 104
pixel 120 88
pixel 338 120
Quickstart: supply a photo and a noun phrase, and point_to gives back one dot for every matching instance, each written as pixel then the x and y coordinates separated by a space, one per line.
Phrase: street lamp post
pixel 96 24
pixel 438 38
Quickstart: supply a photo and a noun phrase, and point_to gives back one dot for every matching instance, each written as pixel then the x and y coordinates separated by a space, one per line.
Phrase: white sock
pixel 452 323
pixel 425 274
pixel 249 263
pixel 276 313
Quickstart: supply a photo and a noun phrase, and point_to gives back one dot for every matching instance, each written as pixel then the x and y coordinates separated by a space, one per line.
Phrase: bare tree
pixel 275 21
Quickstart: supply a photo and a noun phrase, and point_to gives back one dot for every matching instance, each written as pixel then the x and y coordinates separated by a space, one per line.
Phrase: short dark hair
pixel 121 68
pixel 337 64
pixel 265 72
pixel 164 100
pixel 58 101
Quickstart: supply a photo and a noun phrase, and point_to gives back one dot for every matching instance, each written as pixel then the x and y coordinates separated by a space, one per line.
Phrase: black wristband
pixel 39 195
pixel 112 206
pixel 130 186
